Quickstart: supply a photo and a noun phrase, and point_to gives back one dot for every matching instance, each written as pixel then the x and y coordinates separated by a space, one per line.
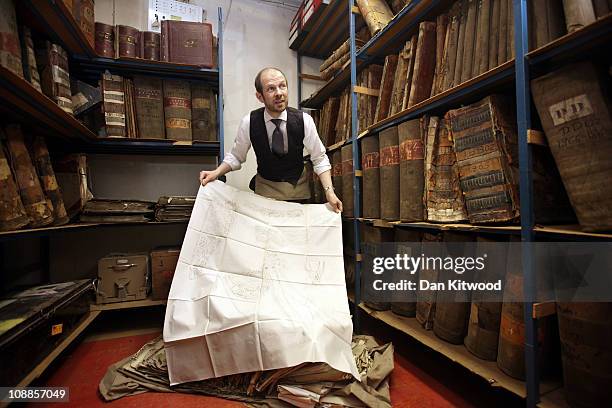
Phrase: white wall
pixel 255 36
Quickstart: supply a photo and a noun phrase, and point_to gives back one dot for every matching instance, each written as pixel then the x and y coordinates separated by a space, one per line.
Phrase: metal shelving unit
pixel 512 75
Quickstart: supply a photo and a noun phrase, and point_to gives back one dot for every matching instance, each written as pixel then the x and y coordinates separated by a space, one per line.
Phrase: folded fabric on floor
pixel 259 285
pixel 305 385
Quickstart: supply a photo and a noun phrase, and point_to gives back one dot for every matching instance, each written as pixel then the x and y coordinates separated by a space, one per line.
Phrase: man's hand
pixel 208 176
pixel 334 201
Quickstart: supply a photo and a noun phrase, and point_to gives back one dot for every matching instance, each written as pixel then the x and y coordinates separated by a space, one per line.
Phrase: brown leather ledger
pixel 424 63
pixel 481 53
pixel 443 196
pixel 42 161
pixel 469 41
pixel 578 14
pixel 105 40
pixel 336 162
pixel 113 105
pixel 149 107
pixel 187 42
pixel 376 14
pixel 150 45
pixel 389 174
pixel 485 144
pixel 348 193
pixel 386 88
pixel 30 70
pixel 83 11
pixel 450 49
pixel 177 109
pixel 52 63
pixel 411 155
pixel 370 164
pixel 203 112
pixel 34 201
pixel 10 50
pixel 127 42
pixel 12 214
pixel 575 112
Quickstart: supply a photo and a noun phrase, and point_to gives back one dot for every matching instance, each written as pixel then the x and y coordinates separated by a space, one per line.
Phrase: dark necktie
pixel 278 145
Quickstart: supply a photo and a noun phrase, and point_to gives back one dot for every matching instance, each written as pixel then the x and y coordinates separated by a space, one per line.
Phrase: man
pixel 278 134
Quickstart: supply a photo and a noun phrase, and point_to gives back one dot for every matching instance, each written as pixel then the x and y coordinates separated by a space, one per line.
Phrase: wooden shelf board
pixel 456 353
pixel 81 225
pixel 128 305
pixel 570 230
pixel 42 366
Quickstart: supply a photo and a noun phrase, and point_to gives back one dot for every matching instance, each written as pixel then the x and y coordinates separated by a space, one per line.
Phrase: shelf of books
pixel 440 91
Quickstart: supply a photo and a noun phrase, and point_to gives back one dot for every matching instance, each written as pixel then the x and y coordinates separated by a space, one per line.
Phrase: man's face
pixel 274 91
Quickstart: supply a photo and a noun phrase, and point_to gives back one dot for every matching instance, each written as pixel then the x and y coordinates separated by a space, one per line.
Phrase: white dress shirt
pixel 312 142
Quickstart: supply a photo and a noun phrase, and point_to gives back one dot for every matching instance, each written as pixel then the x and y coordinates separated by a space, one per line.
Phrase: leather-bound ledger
pixel 113 105
pixel 502 32
pixel 409 72
pixel 149 107
pixel 374 83
pixel 10 50
pixel 42 161
pixel 83 11
pixel 484 142
pixel 481 53
pixel 441 31
pixel 150 45
pixel 574 107
pixel 105 40
pixel 450 50
pixel 127 42
pixel 399 82
pixel 177 109
pixel 34 201
pixel 469 41
pixel 411 156
pixel 131 129
pixel 578 14
pixel 203 112
pixel 329 117
pixel 187 42
pixel 389 174
pixel 30 70
pixel 52 62
pixel 443 196
pixel 494 31
pixel 386 88
pixel 463 14
pixel 336 162
pixel 376 14
pixel 424 63
pixel 510 41
pixel 370 164
pixel 602 7
pixel 12 213
pixel 348 193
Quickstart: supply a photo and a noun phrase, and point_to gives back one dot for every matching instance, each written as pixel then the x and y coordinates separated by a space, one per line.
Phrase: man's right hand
pixel 208 176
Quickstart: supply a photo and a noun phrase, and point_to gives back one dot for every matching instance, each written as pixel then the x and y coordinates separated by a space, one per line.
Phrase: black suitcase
pixel 34 321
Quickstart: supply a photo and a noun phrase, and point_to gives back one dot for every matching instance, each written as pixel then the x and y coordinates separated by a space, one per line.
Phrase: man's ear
pixel 259 97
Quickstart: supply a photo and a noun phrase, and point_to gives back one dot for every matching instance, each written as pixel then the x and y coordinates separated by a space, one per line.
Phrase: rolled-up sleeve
pixel 314 146
pixel 241 147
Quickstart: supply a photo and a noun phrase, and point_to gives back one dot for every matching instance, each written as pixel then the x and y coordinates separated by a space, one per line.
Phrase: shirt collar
pixel 268 118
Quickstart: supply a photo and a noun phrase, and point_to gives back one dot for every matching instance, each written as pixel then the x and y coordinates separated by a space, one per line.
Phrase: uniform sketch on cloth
pixel 259 285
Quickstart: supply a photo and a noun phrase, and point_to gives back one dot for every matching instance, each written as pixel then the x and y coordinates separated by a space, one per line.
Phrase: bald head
pixel 258 82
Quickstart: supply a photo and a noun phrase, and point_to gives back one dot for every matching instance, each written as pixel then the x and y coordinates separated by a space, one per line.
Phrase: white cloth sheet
pixel 259 285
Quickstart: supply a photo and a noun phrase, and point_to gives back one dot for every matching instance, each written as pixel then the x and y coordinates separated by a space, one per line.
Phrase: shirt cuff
pixel 232 162
pixel 321 168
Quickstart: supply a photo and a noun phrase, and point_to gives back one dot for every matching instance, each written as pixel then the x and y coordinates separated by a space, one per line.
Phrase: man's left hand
pixel 334 201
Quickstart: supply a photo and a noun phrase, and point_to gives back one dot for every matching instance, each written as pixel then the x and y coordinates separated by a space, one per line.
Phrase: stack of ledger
pixel 117 211
pixel 174 208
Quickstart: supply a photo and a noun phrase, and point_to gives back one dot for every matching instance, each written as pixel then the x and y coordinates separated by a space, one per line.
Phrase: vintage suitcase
pixel 163 264
pixel 123 277
pixel 34 321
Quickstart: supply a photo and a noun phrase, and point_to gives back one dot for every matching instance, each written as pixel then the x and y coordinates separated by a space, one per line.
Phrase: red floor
pixel 82 370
